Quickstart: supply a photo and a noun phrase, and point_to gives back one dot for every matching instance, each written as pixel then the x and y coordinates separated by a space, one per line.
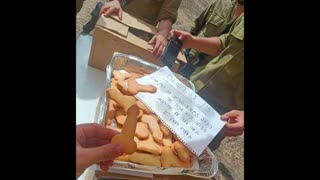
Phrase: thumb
pixel 181 37
pixel 103 9
pixel 152 41
pixel 230 114
pixel 172 32
pixel 103 153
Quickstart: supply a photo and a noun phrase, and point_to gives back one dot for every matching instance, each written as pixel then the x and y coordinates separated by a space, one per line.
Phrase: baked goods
pixel 125 138
pixel 154 127
pixel 145 138
pixel 182 151
pixel 169 159
pixel 142 131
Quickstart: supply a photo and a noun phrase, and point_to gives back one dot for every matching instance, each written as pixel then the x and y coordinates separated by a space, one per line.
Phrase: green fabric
pixel 152 11
pixel 211 23
pixel 220 82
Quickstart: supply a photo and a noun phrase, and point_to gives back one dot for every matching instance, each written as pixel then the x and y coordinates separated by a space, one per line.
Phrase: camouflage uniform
pixel 211 23
pixel 152 11
pixel 219 80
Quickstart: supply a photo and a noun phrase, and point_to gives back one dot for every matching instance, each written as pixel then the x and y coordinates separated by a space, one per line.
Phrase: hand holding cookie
pixel 128 130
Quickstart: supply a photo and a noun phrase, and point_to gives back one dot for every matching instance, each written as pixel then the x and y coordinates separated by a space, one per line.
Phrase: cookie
pixel 169 159
pixel 126 138
pixel 142 131
pixel 182 151
pixel 154 127
pixel 145 159
pixel 148 145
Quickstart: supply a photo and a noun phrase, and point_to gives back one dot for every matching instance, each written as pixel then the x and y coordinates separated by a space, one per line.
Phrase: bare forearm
pixel 211 46
pixel 164 27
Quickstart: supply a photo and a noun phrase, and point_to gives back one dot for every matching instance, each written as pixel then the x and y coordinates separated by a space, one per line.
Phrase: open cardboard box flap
pixel 114 26
pixel 121 27
pixel 112 34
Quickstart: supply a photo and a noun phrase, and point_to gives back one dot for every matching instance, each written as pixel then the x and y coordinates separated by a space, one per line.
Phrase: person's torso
pixel 146 10
pixel 220 82
pixel 219 16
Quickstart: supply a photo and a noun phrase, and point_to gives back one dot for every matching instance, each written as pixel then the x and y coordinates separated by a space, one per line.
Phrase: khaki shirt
pixel 211 23
pixel 220 82
pixel 152 11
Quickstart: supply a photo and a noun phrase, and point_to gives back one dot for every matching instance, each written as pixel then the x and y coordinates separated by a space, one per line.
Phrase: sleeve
pixel 237 31
pixel 169 10
pixel 199 22
pixel 223 39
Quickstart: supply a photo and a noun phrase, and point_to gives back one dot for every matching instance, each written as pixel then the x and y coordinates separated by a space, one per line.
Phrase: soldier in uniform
pixel 215 20
pixel 160 13
pixel 218 77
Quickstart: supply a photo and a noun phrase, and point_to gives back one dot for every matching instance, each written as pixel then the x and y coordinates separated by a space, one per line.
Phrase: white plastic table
pixel 89 85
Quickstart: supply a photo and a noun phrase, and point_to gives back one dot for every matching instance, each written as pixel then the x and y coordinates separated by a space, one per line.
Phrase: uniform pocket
pixel 214 25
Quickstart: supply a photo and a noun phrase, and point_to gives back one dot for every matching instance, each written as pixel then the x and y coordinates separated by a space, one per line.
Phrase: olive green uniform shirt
pixel 152 11
pixel 220 82
pixel 211 23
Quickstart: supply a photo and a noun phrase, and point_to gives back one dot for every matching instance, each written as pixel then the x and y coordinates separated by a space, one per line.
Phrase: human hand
pixel 160 41
pixel 93 146
pixel 111 7
pixel 185 37
pixel 235 123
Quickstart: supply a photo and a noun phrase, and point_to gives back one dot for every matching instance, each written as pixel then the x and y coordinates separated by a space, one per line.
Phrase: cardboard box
pixel 113 35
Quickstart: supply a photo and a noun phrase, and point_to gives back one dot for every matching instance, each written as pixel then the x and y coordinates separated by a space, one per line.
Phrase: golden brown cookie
pixel 122 100
pixel 167 141
pixel 134 87
pixel 145 159
pixel 128 130
pixel 169 159
pixel 113 83
pixel 143 107
pixel 133 76
pixel 123 158
pixel 120 116
pixel 110 113
pixel 148 145
pixel 182 151
pixel 154 127
pixel 142 131
pixel 119 75
pixel 164 129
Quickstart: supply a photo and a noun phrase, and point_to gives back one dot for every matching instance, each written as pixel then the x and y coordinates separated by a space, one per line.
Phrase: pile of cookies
pixel 146 139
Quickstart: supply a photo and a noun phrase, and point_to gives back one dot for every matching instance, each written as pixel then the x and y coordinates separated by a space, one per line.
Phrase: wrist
pixel 191 41
pixel 164 33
